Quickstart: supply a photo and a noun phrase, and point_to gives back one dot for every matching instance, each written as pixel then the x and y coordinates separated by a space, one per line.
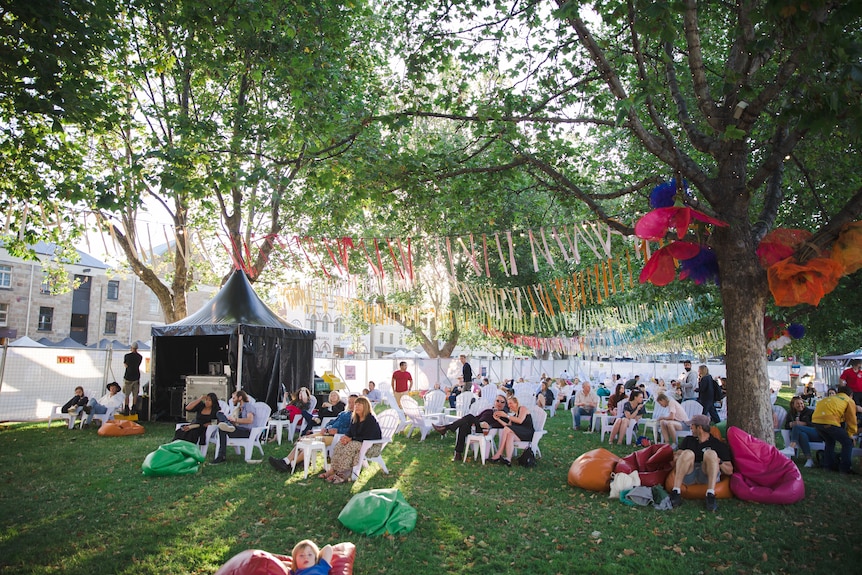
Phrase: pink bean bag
pixel 761 473
pixel 652 463
pixel 257 562
pixel 592 470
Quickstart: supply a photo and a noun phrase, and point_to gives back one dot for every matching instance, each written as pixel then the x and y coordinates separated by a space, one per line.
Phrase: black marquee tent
pixel 274 352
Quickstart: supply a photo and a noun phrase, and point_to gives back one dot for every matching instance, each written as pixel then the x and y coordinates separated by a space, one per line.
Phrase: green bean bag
pixel 176 458
pixel 378 512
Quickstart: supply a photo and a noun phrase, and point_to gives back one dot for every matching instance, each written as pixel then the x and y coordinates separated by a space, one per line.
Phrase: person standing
pixel 706 393
pixel 852 378
pixel 688 383
pixel 402 382
pixel 131 378
pixel 466 373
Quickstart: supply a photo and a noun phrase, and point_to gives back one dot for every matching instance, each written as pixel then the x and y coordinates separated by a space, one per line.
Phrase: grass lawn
pixel 77 503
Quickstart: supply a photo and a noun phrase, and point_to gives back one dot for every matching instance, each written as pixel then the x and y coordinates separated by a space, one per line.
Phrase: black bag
pixel 527 458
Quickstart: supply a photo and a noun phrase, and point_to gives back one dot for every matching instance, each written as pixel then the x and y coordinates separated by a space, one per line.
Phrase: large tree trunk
pixel 744 294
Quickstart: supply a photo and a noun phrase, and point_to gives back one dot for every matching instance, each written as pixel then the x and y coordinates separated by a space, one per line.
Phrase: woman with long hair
pixel 517 426
pixel 632 412
pixel 206 409
pixel 345 454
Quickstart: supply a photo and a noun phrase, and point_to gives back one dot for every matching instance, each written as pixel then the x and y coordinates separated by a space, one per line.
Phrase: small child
pixel 78 401
pixel 308 560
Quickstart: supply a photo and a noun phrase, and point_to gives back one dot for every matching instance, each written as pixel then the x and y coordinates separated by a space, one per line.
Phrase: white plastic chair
pixel 389 423
pixel 462 406
pixel 259 425
pixel 789 451
pixel 415 418
pixel 210 437
pixel 539 418
pixel 58 413
pixel 434 401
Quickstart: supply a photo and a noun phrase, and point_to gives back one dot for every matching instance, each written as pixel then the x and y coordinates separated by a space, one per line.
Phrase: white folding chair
pixel 259 426
pixel 389 423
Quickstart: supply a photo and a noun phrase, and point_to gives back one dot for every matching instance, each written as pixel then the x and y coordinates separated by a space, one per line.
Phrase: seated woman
pixel 675 420
pixel 330 408
pixel 545 396
pixel 453 395
pixel 299 406
pixel 632 412
pixel 616 397
pixel 345 454
pixel 206 409
pixel 802 431
pixel 77 403
pixel 517 426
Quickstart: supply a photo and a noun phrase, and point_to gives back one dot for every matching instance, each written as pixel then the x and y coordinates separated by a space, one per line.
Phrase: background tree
pixel 720 96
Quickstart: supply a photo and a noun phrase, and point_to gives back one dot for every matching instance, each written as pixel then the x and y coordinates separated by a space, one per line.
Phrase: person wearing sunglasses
pixel 485 420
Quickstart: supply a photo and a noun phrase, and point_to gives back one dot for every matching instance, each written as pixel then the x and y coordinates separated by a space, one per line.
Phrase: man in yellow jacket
pixel 829 415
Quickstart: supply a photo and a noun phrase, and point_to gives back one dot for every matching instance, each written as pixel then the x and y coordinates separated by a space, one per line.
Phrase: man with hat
pixel 113 401
pixel 700 459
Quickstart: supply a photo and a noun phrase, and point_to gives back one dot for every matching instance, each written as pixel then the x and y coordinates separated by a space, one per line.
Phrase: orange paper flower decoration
pixel 792 284
pixel 847 249
pixel 780 244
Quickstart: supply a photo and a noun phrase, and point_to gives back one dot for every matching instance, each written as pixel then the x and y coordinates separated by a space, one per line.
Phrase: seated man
pixel 674 421
pixel 701 458
pixel 373 394
pixel 113 401
pixel 485 420
pixel 835 420
pixel 584 403
pixel 239 424
pixel 340 424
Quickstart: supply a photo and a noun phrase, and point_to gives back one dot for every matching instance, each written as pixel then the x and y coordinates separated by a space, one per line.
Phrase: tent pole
pixel 239 362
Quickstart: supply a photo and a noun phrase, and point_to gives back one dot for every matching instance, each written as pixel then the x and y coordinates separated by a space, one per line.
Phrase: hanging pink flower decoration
pixel 661 267
pixel 779 244
pixel 655 224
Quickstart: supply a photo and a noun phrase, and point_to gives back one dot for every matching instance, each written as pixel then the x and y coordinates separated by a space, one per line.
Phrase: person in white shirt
pixel 688 381
pixel 674 421
pixel 113 401
pixel 584 403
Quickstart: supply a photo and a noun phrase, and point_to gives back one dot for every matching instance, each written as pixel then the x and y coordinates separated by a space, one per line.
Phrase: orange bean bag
pixel 592 470
pixel 257 562
pixel 117 427
pixel 698 490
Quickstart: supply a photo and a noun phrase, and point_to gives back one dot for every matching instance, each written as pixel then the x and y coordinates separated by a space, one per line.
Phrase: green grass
pixel 74 502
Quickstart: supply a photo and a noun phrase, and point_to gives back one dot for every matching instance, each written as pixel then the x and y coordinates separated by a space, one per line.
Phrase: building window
pixel 113 289
pixel 324 324
pixel 312 322
pixel 381 337
pixel 6 276
pixel 4 314
pixel 391 338
pixel 46 318
pixel 45 288
pixel 338 325
pixel 154 304
pixel 111 322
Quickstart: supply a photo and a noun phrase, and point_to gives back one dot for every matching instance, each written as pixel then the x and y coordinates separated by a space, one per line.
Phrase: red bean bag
pixel 652 463
pixel 257 562
pixel 698 490
pixel 761 473
pixel 119 427
pixel 592 470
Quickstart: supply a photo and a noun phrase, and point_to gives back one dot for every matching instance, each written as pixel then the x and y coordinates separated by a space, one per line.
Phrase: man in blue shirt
pixel 339 425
